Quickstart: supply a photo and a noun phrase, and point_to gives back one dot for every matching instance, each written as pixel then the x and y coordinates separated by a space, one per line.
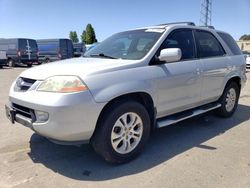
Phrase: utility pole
pixel 206 12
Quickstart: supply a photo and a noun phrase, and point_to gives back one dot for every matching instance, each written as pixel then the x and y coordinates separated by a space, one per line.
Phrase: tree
pixel 245 37
pixel 88 35
pixel 73 36
pixel 83 36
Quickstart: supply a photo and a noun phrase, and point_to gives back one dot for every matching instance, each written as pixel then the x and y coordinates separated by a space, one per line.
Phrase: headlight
pixel 62 84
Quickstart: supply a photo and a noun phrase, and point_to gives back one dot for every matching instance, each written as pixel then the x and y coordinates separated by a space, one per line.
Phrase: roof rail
pixel 176 23
pixel 209 26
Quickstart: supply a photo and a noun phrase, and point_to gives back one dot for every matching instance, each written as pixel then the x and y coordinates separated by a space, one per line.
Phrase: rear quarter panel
pixel 237 69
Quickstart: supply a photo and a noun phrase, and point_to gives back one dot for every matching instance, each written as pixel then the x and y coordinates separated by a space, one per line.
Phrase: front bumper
pixel 72 117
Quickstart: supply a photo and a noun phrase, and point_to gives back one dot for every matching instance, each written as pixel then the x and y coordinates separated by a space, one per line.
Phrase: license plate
pixel 10 113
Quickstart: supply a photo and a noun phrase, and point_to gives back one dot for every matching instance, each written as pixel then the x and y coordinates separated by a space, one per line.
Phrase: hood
pixel 76 66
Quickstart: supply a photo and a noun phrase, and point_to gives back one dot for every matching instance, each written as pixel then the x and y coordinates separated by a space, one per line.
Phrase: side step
pixel 172 119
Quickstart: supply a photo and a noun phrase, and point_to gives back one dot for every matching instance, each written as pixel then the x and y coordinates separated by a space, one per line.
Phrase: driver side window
pixel 182 39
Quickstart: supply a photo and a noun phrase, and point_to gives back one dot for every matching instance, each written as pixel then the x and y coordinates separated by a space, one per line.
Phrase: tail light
pixel 18 53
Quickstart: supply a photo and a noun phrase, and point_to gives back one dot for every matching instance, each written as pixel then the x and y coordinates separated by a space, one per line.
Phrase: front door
pixel 179 85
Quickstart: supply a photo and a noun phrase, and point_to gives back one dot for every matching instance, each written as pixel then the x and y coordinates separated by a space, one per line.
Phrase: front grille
pixel 24 111
pixel 23 84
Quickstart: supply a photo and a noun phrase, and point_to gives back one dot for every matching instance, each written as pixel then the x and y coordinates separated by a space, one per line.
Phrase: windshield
pixel 130 45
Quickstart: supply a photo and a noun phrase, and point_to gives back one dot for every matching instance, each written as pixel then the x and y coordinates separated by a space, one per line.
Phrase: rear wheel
pixel 229 100
pixel 122 132
pixel 11 63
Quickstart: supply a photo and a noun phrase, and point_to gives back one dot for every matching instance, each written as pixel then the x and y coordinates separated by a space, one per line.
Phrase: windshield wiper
pixel 102 55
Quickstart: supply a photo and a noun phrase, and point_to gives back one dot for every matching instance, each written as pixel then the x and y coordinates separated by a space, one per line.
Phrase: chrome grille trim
pixel 23 84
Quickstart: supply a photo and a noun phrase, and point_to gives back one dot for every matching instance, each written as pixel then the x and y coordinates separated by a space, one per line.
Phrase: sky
pixel 40 19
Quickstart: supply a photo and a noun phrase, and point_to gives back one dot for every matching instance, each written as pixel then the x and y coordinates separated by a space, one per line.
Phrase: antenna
pixel 206 12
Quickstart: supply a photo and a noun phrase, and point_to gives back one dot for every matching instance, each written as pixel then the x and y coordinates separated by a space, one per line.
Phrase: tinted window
pixel 208 45
pixel 70 48
pixel 182 39
pixel 63 44
pixel 78 47
pixel 24 44
pixel 48 47
pixel 230 43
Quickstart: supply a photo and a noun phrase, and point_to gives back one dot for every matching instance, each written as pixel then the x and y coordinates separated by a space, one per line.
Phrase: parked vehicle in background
pixel 3 58
pixel 54 49
pixel 19 51
pixel 130 84
pixel 90 46
pixel 79 49
pixel 247 55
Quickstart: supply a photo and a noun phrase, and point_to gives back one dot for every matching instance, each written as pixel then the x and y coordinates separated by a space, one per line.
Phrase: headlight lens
pixel 62 84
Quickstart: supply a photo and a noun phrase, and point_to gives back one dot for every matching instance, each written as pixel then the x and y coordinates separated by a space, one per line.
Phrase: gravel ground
pixel 205 151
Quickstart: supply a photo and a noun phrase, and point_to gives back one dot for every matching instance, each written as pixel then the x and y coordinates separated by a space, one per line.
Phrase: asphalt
pixel 205 151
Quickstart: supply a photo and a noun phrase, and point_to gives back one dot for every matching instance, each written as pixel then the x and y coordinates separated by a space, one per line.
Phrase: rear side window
pixel 230 43
pixel 182 39
pixel 48 47
pixel 208 45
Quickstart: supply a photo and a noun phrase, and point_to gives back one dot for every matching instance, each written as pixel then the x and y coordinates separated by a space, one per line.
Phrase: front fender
pixel 112 91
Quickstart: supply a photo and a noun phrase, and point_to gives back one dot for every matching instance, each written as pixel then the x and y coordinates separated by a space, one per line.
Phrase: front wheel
pixel 122 132
pixel 229 100
pixel 11 63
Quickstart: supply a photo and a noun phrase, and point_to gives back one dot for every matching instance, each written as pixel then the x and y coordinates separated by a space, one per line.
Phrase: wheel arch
pixel 142 97
pixel 235 79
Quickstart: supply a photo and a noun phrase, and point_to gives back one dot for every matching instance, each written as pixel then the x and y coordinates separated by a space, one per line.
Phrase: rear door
pixel 63 52
pixel 32 45
pixel 179 87
pixel 3 50
pixel 70 49
pixel 214 64
pixel 28 49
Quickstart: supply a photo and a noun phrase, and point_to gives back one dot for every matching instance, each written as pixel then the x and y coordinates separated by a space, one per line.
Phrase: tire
pixel 229 100
pixel 11 63
pixel 47 60
pixel 29 65
pixel 117 143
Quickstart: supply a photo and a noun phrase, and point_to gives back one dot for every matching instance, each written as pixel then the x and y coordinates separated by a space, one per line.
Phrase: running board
pixel 172 119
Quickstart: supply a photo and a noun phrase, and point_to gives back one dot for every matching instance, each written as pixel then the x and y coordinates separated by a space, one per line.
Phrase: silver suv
pixel 128 85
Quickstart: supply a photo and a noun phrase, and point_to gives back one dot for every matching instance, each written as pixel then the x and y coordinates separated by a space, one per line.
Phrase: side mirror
pixel 170 55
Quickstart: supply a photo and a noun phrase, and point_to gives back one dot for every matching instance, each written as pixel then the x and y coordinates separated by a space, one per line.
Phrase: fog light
pixel 41 116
